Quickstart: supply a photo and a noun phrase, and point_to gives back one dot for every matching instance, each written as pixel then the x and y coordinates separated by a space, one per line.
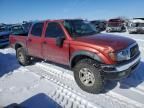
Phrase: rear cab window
pixel 37 29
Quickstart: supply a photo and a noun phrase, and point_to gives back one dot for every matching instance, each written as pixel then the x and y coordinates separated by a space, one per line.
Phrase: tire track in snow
pixel 66 96
pixel 118 97
pixel 139 89
pixel 68 99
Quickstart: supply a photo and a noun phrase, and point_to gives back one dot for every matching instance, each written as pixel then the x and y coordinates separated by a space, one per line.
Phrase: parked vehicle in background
pixel 26 25
pixel 136 26
pixel 94 57
pixel 116 25
pixel 4 35
pixel 18 29
pixel 100 25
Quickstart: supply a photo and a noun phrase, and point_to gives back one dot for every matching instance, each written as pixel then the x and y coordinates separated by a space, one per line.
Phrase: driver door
pixel 34 40
pixel 50 50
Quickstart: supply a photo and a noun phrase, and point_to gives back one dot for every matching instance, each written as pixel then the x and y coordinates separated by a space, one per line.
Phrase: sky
pixel 14 11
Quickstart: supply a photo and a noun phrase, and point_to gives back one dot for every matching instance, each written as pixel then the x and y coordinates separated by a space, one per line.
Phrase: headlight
pixel 120 56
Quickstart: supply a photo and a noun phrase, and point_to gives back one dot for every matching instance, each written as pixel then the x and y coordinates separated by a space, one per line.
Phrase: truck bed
pixel 17 39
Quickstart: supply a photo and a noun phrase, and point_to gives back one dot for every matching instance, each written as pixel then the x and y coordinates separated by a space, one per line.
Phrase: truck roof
pixel 58 20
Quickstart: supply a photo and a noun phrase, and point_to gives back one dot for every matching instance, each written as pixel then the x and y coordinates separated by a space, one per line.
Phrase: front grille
pixel 134 51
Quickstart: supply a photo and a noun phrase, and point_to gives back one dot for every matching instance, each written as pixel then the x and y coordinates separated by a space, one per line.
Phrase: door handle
pixel 44 42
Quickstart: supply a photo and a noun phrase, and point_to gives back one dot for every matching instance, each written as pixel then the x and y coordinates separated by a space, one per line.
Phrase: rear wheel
pixel 88 76
pixel 22 57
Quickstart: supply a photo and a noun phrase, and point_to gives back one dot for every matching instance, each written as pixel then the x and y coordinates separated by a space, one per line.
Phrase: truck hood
pixel 104 41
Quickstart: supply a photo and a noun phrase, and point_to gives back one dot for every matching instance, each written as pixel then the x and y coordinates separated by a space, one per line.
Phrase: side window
pixel 54 30
pixel 37 29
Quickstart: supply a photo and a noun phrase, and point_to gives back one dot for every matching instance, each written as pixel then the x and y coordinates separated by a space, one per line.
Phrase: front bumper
pixel 121 70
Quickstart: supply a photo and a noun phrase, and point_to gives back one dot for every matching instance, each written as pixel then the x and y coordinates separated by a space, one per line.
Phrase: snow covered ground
pixel 47 85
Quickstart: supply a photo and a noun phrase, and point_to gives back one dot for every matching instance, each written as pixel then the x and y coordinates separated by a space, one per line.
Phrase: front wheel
pixel 88 76
pixel 22 57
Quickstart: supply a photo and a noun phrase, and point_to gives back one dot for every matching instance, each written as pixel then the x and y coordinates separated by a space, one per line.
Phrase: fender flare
pixel 85 53
pixel 21 44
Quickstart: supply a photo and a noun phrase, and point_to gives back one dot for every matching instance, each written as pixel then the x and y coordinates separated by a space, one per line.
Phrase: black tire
pixel 25 58
pixel 93 66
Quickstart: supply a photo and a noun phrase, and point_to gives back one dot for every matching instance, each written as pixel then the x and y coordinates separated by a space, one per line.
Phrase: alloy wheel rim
pixel 21 57
pixel 86 77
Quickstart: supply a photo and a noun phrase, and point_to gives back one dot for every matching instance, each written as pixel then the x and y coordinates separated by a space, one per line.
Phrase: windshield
pixel 79 27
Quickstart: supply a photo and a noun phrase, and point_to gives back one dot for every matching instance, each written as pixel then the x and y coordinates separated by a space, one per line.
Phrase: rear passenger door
pixel 51 51
pixel 34 42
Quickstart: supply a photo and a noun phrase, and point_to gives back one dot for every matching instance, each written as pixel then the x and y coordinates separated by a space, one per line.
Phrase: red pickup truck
pixel 94 57
pixel 116 25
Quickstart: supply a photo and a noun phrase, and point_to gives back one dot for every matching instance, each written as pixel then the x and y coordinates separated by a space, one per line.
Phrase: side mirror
pixel 59 41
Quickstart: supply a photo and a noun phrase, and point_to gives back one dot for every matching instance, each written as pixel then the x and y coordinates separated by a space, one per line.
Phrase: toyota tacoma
pixel 94 57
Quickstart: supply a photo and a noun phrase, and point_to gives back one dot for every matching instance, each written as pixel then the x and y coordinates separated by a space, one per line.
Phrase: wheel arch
pixel 19 45
pixel 83 54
